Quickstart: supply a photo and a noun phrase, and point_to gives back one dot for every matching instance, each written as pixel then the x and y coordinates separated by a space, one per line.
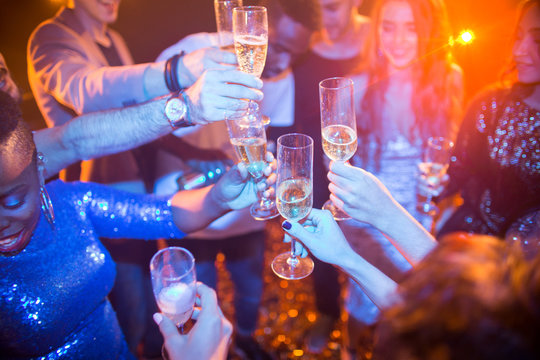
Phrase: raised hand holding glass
pixel 338 126
pixel 294 197
pixel 248 137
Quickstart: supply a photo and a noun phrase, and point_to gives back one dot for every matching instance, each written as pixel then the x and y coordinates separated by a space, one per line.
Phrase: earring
pixel 46 204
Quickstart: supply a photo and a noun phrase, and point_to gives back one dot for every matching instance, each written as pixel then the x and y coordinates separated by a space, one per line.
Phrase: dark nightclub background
pixel 149 26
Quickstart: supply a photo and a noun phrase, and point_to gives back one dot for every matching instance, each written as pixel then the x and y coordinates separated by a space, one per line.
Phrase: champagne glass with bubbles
pixel 250 32
pixel 248 137
pixel 433 168
pixel 174 283
pixel 338 126
pixel 224 10
pixel 294 197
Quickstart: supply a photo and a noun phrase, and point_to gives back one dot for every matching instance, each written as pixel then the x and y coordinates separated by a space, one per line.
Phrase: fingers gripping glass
pixel 248 136
pixel 433 169
pixel 338 126
pixel 294 197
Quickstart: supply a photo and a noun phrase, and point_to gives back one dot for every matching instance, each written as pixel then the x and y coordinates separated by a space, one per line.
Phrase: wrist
pixel 348 260
pixel 217 200
pixel 171 72
pixel 182 72
pixel 385 220
pixel 177 111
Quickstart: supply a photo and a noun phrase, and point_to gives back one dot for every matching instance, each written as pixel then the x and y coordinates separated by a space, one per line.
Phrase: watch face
pixel 175 109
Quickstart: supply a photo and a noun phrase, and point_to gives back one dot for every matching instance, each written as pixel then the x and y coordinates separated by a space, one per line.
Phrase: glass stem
pixel 264 202
pixel 429 197
pixel 293 260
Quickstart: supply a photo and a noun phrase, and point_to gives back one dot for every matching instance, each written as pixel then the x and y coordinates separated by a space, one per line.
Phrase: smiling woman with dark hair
pixel 55 274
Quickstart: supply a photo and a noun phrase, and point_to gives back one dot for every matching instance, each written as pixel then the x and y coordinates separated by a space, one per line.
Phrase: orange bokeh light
pixel 465 37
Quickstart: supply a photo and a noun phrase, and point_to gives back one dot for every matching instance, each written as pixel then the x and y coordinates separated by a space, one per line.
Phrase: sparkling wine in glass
pixel 224 10
pixel 174 283
pixel 250 32
pixel 294 197
pixel 433 168
pixel 338 126
pixel 248 136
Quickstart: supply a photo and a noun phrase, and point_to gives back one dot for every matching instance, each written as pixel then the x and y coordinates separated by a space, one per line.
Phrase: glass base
pixel 428 208
pixel 289 268
pixel 260 212
pixel 339 215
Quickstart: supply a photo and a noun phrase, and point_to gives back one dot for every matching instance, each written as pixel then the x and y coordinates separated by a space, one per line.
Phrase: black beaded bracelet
pixel 171 73
pixel 167 74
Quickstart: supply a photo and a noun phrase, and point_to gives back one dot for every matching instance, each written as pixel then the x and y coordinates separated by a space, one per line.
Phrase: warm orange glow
pixel 292 313
pixel 465 37
pixel 311 316
pixel 298 352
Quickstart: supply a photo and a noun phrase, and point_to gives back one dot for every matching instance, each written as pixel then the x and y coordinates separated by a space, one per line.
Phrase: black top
pixel 496 164
pixel 111 54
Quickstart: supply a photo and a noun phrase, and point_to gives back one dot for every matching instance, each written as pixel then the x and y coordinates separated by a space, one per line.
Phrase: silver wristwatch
pixel 176 111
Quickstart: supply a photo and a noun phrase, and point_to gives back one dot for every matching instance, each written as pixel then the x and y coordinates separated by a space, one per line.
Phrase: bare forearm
pixel 195 209
pixel 411 239
pixel 377 286
pixel 101 133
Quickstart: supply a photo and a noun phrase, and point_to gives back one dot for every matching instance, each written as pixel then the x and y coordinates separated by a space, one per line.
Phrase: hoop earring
pixel 46 204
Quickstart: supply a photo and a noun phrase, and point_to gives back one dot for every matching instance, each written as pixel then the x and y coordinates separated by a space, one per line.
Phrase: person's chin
pixel 14 244
pixel 401 63
pixel 528 76
pixel 110 19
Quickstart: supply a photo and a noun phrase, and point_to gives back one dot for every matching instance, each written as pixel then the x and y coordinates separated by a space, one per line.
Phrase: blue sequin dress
pixel 496 165
pixel 53 302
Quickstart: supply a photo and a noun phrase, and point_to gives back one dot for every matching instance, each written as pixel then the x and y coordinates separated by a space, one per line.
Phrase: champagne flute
pixel 294 197
pixel 248 137
pixel 338 126
pixel 250 33
pixel 174 283
pixel 433 168
pixel 223 10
